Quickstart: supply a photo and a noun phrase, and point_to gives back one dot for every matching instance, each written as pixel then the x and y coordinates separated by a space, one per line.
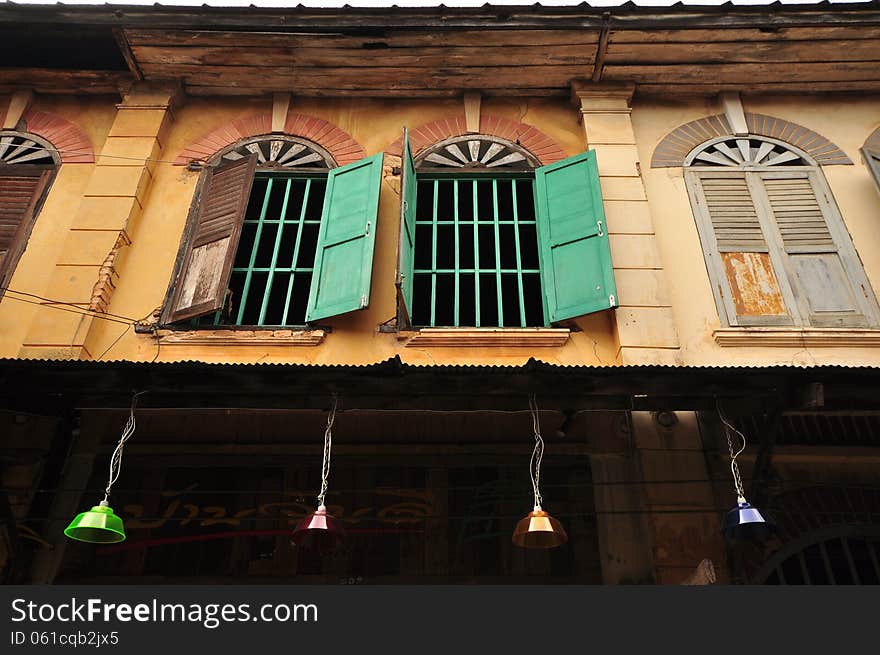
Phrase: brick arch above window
pixel 675 146
pixel 71 142
pixel 336 141
pixel 543 147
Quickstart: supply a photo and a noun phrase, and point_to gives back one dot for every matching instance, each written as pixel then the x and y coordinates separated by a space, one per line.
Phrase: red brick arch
pixel 543 147
pixel 69 139
pixel 339 143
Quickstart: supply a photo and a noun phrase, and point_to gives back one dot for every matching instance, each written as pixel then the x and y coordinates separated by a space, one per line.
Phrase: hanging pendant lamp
pixel 100 525
pixel 743 523
pixel 320 530
pixel 538 529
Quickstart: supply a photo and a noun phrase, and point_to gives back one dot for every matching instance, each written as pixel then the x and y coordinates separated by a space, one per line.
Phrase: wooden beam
pixel 18 104
pixel 43 80
pixel 733 110
pixel 280 107
pixel 125 49
pixel 472 111
pixel 602 48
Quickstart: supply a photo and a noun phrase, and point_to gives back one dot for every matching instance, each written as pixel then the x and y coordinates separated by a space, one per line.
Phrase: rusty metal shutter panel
pixel 20 190
pixel 204 274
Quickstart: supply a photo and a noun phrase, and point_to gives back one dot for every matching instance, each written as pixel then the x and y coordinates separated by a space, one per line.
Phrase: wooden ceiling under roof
pixel 524 51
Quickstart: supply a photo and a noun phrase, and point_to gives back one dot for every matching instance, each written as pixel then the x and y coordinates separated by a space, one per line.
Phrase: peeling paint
pixel 755 289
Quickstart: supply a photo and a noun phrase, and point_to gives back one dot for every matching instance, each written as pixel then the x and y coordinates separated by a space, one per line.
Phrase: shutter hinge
pixel 363 300
pixel 612 302
pixel 368 228
pixel 601 233
pixel 405 206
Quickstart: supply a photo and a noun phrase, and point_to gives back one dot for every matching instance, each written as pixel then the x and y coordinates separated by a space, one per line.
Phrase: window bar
pixel 475 213
pixel 827 561
pixel 497 253
pixel 872 551
pixel 780 574
pixel 850 561
pixel 804 570
pixel 247 279
pixel 455 320
pixel 299 231
pixel 519 274
pixel 271 276
pixel 434 255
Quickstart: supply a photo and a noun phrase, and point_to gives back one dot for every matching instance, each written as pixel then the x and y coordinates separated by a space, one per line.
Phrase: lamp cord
pixel 734 467
pixel 116 457
pixel 328 443
pixel 537 453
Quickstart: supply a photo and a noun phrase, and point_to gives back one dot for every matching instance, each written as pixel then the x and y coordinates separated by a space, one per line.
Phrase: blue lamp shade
pixel 745 523
pixel 97 526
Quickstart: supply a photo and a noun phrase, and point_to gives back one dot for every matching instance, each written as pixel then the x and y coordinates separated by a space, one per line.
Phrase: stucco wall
pixel 847 122
pixel 146 266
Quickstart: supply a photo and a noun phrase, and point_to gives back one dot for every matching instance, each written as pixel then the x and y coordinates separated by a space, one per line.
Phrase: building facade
pixel 648 219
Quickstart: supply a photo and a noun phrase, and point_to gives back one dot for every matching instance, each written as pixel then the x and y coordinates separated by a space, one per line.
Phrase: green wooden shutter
pixel 575 256
pixel 344 257
pixel 406 242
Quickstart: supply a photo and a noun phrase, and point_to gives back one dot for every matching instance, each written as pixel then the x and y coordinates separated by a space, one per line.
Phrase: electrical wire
pixel 90 152
pixel 128 319
pixel 390 490
pixel 71 311
pixel 115 341
pixel 325 465
pixel 537 453
pixel 734 467
pixel 116 458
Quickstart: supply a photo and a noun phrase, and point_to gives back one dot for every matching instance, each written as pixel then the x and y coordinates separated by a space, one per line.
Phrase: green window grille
pixel 476 260
pixel 274 262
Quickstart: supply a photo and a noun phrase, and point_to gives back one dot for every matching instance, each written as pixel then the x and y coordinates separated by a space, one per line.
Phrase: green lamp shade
pixel 97 526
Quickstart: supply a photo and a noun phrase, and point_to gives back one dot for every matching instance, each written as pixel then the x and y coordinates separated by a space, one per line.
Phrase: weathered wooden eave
pixel 442 52
pixel 311 20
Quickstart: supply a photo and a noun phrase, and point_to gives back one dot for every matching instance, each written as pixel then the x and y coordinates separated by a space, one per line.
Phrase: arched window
pixel 490 238
pixel 776 247
pixel 27 168
pixel 252 236
pixel 843 555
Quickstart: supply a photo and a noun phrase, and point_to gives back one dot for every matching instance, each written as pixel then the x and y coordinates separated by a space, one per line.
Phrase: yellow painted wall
pixel 146 267
pixel 846 121
pixel 94 115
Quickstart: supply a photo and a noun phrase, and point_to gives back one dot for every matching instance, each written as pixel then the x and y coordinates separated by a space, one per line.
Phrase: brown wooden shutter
pixel 204 273
pixel 21 188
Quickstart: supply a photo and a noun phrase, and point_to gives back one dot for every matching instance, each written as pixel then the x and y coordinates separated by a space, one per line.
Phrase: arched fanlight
pixel 538 529
pixel 100 525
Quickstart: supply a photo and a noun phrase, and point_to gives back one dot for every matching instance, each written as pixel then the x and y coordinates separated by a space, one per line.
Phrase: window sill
pixel 801 337
pixel 486 337
pixel 241 337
